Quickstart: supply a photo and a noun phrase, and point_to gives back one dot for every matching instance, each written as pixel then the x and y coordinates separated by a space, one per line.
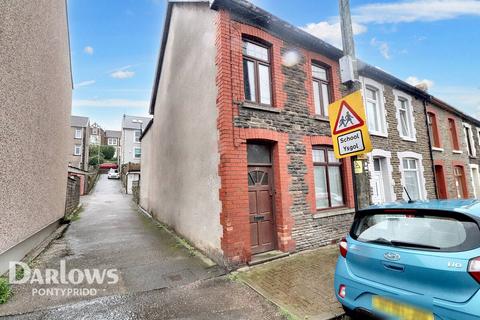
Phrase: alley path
pixel 112 234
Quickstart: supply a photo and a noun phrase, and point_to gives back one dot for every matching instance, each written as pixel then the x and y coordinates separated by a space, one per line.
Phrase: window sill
pixel 320 118
pixel 408 139
pixel 437 149
pixel 325 213
pixel 457 151
pixel 379 134
pixel 248 105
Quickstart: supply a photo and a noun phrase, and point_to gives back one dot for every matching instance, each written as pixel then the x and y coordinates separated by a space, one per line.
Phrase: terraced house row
pixel 238 158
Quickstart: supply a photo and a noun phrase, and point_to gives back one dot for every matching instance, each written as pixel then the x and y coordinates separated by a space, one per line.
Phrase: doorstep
pixel 267 256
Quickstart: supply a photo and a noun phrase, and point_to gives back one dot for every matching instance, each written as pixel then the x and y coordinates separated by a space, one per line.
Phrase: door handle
pixel 394 267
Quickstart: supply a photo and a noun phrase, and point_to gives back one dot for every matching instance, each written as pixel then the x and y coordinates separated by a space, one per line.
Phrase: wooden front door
pixel 441 185
pixel 260 194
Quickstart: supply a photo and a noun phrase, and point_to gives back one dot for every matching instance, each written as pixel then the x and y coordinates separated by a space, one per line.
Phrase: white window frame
pixel 382 112
pixel 78 133
pixel 134 153
pixel 94 131
pixel 391 183
pixel 79 153
pixel 112 141
pixel 410 117
pixel 469 138
pixel 474 166
pixel 420 171
pixel 135 136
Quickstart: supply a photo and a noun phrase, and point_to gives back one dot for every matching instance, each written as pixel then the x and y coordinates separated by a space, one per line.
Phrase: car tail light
pixel 474 268
pixel 342 292
pixel 343 247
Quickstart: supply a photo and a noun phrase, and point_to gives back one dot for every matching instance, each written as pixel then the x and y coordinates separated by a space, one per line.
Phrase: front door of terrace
pixel 260 195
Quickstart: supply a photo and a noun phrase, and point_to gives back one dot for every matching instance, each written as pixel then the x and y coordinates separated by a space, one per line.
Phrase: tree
pixel 108 152
pixel 96 156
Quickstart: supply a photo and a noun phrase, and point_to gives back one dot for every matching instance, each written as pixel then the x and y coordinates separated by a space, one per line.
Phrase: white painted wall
pixel 182 151
pixel 128 145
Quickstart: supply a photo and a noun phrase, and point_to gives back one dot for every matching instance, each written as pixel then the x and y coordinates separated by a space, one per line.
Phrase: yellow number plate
pixel 400 310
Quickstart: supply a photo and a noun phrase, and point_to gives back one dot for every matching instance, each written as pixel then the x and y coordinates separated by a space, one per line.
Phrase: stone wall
pixel 395 144
pixel 310 228
pixel 73 195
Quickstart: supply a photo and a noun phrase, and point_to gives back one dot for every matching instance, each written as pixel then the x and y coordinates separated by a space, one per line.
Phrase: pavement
pixel 301 283
pixel 217 298
pixel 112 234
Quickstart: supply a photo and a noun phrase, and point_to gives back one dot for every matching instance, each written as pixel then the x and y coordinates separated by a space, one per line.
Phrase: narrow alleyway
pixel 112 234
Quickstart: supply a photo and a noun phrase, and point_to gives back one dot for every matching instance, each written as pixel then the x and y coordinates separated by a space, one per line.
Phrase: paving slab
pixel 301 283
pixel 112 234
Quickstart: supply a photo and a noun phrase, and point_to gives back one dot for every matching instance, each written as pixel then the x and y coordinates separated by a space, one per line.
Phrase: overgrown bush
pixel 5 290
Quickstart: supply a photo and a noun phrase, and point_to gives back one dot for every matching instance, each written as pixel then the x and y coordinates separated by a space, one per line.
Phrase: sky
pixel 115 46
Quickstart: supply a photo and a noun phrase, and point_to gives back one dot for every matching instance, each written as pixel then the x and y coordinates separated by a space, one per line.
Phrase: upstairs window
pixel 452 127
pixel 405 118
pixel 472 152
pixel 138 133
pixel 373 95
pixel 327 178
pixel 433 130
pixel 256 73
pixel 112 141
pixel 321 90
pixel 94 131
pixel 78 133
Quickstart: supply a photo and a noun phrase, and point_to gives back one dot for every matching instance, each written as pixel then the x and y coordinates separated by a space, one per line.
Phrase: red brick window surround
pixel 328 178
pixel 452 127
pixel 433 130
pixel 257 75
pixel 321 78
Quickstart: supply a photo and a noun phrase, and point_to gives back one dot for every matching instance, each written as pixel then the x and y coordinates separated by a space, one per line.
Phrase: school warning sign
pixel 348 125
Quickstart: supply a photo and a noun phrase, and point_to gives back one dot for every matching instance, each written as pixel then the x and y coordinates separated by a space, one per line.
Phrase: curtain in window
pixel 321 192
pixel 411 184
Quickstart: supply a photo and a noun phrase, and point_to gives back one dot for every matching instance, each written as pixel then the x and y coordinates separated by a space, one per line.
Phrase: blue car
pixel 412 261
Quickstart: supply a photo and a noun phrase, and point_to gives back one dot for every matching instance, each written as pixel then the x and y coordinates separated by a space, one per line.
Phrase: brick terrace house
pixel 454 139
pixel 239 157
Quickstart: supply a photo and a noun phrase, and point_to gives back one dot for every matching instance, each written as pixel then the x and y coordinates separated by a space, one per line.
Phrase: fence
pixel 73 195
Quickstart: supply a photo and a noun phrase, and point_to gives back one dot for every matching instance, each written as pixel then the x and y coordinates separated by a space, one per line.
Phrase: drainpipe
pixel 430 146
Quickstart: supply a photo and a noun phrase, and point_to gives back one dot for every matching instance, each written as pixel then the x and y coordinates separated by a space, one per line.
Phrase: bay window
pixel 327 178
pixel 257 73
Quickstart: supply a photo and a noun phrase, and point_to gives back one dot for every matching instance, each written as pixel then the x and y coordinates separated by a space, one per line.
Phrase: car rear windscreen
pixel 421 231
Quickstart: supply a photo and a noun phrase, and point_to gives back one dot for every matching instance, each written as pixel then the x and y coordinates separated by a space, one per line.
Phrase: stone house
pixel 239 160
pixel 401 158
pixel 80 137
pixel 97 134
pixel 131 147
pixel 35 105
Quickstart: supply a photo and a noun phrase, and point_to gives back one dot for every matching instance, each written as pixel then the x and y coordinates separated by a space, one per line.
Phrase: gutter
pixel 150 123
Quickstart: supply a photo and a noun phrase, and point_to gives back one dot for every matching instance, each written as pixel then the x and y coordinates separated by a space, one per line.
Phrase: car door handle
pixel 394 267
